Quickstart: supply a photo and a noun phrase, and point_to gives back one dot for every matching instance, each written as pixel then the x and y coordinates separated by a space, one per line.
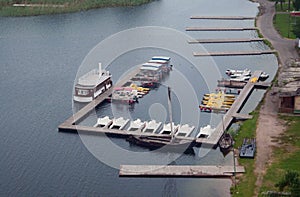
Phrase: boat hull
pixel 163 144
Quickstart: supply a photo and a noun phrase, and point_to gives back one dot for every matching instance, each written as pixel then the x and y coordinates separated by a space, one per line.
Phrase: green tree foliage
pixel 291 181
pixel 296 5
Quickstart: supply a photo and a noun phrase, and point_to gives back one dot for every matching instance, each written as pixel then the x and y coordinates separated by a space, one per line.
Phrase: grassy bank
pixel 285 24
pixel 60 6
pixel 246 183
pixel 286 156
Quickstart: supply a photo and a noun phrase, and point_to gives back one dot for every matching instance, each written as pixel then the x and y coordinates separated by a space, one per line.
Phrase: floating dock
pixel 179 171
pixel 70 124
pixel 220 28
pixel 223 17
pixel 226 40
pixel 231 113
pixel 234 53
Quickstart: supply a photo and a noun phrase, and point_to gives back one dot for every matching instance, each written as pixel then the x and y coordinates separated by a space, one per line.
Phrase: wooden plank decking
pixel 81 114
pixel 225 40
pixel 229 116
pixel 234 53
pixel 220 28
pixel 223 17
pixel 178 171
pixel 69 124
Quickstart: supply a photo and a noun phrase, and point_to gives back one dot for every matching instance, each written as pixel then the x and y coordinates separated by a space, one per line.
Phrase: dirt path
pixel 269 125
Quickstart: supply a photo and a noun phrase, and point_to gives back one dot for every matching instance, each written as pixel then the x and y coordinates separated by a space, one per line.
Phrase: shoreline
pixel 268 109
pixel 35 9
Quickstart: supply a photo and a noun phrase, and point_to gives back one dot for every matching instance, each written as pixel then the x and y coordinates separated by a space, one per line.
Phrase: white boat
pixel 263 76
pixel 136 125
pixel 103 122
pixel 184 130
pixel 238 73
pixel 167 128
pixel 119 123
pixel 241 78
pixel 151 126
pixel 205 132
pixel 92 84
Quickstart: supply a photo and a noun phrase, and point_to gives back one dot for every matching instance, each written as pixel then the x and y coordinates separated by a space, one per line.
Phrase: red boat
pixel 295 13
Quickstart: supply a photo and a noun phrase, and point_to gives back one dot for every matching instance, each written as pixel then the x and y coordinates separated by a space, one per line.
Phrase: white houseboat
pixel 92 84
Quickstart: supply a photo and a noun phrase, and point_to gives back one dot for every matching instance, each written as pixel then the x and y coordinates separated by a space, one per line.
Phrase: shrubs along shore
pixel 41 7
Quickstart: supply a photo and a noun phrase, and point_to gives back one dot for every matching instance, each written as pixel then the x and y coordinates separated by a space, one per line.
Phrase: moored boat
pixel 226 143
pixel 136 125
pixel 238 73
pixel 151 126
pixel 119 123
pixel 168 130
pixel 92 84
pixel 184 130
pixel 103 122
pixel 205 132
pixel 263 76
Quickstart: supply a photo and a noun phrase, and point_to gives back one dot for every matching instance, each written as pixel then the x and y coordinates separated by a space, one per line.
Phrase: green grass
pixel 6 8
pixel 246 183
pixel 286 157
pixel 284 25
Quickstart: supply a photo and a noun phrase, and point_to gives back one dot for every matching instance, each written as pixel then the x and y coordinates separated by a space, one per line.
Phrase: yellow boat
pixel 140 89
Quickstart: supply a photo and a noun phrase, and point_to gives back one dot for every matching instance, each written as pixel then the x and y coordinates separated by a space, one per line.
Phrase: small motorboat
pixel 184 130
pixel 119 123
pixel 205 132
pixel 103 122
pixel 226 143
pixel 238 73
pixel 136 125
pixel 241 78
pixel 263 76
pixel 151 126
pixel 167 128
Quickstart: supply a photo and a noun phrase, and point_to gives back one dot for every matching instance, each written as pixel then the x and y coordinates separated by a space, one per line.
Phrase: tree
pixel 291 181
pixel 296 4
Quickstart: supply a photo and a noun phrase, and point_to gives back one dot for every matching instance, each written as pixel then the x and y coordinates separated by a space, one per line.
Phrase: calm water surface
pixel 40 57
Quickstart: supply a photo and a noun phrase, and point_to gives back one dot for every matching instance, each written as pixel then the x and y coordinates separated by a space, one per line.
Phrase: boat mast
pixel 170 112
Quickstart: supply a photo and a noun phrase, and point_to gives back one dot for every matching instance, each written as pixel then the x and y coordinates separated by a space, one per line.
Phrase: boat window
pixel 83 92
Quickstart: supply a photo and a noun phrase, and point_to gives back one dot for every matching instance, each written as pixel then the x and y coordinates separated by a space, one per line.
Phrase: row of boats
pixel 244 75
pixel 97 81
pixel 152 127
pixel 149 76
pixel 219 101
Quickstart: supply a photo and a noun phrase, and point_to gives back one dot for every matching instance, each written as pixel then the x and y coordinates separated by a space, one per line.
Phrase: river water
pixel 40 59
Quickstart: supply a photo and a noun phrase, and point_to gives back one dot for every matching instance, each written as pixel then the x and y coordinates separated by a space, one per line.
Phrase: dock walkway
pixel 232 112
pixel 223 17
pixel 234 53
pixel 220 28
pixel 70 124
pixel 225 40
pixel 179 171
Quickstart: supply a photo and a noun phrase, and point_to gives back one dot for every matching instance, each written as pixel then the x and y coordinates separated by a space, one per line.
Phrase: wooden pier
pixel 226 40
pixel 178 171
pixel 234 53
pixel 70 124
pixel 232 112
pixel 223 17
pixel 220 28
